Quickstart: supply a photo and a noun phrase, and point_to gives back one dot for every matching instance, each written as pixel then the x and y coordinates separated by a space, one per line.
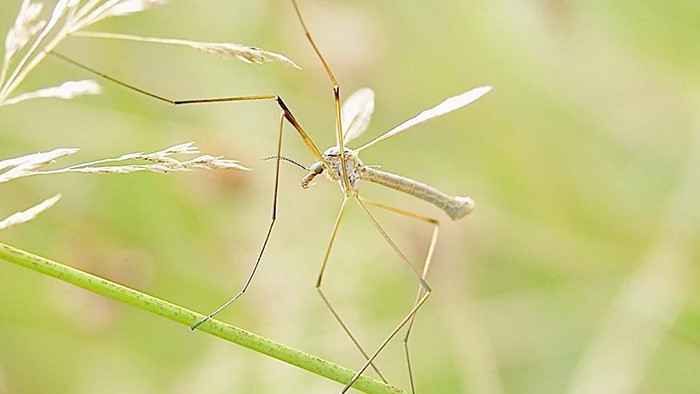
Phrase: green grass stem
pixel 187 317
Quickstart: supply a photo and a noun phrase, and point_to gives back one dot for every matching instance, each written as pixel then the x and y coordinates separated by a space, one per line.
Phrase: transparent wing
pixel 449 105
pixel 356 113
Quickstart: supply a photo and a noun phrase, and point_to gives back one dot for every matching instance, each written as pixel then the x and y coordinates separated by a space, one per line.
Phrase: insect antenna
pixel 303 167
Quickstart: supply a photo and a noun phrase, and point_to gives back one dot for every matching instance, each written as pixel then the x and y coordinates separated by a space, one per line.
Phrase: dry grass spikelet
pixel 26 26
pixel 29 164
pixel 161 161
pixel 29 214
pixel 65 91
pixel 245 53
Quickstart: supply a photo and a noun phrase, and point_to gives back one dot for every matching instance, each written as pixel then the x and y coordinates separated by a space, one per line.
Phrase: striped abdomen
pixel 456 207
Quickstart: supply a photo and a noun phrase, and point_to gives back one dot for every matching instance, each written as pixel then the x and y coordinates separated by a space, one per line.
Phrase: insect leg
pixel 267 97
pixel 323 296
pixel 424 286
pixel 267 236
pixel 426 267
pixel 286 114
pixel 336 98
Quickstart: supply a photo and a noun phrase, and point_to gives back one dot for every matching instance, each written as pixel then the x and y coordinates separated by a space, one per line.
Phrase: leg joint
pixel 285 109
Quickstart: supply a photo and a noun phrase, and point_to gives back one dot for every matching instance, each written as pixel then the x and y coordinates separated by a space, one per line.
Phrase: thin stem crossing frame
pixel 188 317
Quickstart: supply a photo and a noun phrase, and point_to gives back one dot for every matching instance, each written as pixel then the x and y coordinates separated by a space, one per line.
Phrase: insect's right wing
pixel 449 105
pixel 356 113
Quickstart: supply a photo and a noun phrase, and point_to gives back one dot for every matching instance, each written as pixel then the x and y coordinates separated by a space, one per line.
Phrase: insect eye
pixel 317 168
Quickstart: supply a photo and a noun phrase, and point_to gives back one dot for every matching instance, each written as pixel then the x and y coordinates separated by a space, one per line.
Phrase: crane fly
pixel 348 171
pixel 342 165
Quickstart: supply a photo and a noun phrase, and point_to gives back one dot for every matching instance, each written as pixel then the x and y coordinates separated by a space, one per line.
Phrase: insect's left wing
pixel 356 113
pixel 449 105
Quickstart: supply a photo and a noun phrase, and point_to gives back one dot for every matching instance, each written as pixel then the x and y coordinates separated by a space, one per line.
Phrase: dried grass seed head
pixel 26 26
pixel 65 91
pixel 29 214
pixel 28 164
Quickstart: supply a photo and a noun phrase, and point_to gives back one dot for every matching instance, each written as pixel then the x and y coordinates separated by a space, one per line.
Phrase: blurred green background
pixel 577 273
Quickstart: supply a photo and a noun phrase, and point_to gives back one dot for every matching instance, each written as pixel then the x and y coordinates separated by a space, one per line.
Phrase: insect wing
pixel 447 106
pixel 356 113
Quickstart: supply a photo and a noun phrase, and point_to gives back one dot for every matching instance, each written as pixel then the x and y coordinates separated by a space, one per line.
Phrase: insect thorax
pixel 353 164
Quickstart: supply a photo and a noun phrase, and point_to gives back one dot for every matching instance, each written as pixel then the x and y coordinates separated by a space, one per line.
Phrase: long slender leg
pixel 424 286
pixel 286 114
pixel 267 236
pixel 268 97
pixel 335 314
pixel 313 44
pixel 336 96
pixel 426 267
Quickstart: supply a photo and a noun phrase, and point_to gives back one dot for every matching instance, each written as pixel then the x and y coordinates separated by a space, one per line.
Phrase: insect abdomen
pixel 456 207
